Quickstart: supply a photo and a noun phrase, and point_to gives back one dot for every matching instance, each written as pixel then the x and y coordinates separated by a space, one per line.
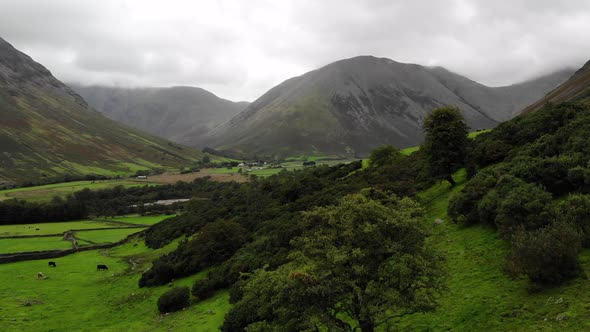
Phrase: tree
pixel 445 143
pixel 384 155
pixel 362 262
pixel 206 159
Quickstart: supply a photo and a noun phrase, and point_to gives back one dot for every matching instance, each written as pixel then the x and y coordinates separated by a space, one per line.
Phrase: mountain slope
pixel 575 89
pixel 180 114
pixel 352 106
pixel 48 130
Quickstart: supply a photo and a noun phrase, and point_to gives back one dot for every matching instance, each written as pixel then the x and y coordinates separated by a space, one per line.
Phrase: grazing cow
pixel 40 275
pixel 52 264
pixel 101 267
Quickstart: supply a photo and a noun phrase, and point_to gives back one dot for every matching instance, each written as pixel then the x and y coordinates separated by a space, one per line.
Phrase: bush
pixel 463 206
pixel 548 255
pixel 576 210
pixel 521 205
pixel 173 300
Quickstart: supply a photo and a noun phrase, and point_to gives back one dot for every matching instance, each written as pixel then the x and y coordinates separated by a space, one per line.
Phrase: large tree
pixel 446 142
pixel 362 263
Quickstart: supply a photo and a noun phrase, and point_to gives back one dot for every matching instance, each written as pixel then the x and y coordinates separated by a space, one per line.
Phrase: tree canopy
pixel 445 144
pixel 362 263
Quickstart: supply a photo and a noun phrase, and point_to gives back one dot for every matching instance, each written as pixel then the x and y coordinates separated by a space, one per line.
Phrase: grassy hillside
pixel 47 130
pixel 480 296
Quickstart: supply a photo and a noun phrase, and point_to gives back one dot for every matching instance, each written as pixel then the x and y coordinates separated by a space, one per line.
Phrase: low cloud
pixel 240 49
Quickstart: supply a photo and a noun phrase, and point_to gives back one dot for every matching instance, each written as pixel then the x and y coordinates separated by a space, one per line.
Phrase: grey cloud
pixel 240 49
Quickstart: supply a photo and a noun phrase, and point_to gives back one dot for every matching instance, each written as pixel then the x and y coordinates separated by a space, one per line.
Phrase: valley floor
pixel 77 297
pixel 480 296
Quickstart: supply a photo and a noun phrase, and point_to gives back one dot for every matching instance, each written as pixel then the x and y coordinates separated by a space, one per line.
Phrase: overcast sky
pixel 238 49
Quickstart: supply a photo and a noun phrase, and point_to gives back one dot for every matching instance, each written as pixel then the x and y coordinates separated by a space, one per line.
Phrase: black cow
pixel 52 264
pixel 101 267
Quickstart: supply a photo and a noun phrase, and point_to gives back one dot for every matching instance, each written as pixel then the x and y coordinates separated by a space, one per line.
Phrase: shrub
pixel 463 205
pixel 203 289
pixel 173 300
pixel 160 273
pixel 576 211
pixel 525 206
pixel 548 255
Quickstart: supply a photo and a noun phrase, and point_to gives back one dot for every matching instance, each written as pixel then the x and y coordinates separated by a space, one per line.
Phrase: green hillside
pixel 48 130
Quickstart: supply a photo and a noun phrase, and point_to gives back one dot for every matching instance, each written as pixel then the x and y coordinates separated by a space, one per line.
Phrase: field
pixel 76 297
pixel 106 236
pixel 52 228
pixel 139 220
pixel 47 192
pixel 86 237
pixel 33 244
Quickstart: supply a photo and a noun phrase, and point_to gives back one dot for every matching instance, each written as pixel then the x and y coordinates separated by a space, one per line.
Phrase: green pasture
pixel 52 228
pixel 140 220
pixel 77 297
pixel 107 235
pixel 46 193
pixel 33 244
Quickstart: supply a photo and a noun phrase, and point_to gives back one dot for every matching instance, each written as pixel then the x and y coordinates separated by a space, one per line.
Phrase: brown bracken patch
pixel 168 178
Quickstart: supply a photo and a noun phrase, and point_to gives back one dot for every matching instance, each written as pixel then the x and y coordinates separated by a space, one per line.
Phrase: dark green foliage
pixel 362 258
pixel 551 173
pixel 463 207
pixel 521 205
pixel 445 144
pixel 215 243
pixel 22 212
pixel 547 255
pixel 543 153
pixel 576 211
pixel 566 126
pixel 384 156
pixel 173 300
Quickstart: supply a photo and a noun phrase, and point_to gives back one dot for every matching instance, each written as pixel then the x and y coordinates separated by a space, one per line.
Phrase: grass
pixel 33 244
pixel 51 228
pixel 76 297
pixel 141 220
pixel 89 237
pixel 46 193
pixel 107 235
pixel 409 151
pixel 480 296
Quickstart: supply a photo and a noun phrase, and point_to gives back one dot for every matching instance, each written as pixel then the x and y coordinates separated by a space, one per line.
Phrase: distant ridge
pixel 351 106
pixel 181 114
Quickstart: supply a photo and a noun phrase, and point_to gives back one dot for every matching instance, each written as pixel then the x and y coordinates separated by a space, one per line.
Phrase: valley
pixel 292 166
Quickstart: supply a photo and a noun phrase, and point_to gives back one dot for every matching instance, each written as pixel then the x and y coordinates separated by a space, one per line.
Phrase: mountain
pixel 351 106
pixel 48 130
pixel 575 89
pixel 181 114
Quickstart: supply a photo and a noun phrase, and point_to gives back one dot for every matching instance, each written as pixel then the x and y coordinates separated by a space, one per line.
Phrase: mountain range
pixel 48 130
pixel 181 114
pixel 351 106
